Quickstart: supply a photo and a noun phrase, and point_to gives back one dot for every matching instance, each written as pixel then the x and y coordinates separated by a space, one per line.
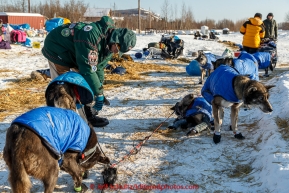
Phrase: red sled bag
pixel 17 36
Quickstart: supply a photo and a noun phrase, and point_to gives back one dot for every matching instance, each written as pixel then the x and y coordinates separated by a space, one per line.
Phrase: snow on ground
pixel 260 163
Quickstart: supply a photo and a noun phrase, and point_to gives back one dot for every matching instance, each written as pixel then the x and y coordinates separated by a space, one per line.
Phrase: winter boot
pixel 96 121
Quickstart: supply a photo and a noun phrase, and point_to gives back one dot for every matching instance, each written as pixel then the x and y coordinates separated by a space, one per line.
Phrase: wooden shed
pixel 35 20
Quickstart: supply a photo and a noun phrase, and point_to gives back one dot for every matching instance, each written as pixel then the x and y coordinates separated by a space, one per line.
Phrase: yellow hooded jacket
pixel 253 30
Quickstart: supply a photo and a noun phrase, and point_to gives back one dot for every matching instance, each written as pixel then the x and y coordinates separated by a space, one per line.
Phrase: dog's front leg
pixel 217 113
pixel 202 76
pixel 266 72
pixel 209 72
pixel 73 168
pixel 234 120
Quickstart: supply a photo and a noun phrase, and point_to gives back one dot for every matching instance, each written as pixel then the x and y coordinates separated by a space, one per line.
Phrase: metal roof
pixel 20 14
pixel 97 12
pixel 134 12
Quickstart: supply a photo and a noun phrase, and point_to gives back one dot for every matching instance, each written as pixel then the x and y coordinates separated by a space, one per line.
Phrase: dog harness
pixel 220 83
pixel 59 129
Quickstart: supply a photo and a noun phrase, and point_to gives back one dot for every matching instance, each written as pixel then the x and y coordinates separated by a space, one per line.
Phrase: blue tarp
pixel 28 42
pixel 20 26
pixel 193 69
pixel 53 23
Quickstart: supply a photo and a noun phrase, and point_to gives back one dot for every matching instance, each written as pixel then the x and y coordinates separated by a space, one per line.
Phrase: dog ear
pixel 174 107
pixel 190 96
pixel 269 86
pixel 252 89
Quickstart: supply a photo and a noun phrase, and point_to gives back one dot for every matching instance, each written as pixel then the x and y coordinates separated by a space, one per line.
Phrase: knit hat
pixel 258 15
pixel 270 14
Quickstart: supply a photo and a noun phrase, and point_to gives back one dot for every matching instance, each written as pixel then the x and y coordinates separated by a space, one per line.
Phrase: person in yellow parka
pixel 253 31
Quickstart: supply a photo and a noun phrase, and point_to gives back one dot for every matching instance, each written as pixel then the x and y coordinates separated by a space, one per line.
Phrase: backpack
pixel 17 36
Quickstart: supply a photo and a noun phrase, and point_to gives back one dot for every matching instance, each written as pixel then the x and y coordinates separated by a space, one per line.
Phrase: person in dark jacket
pixel 253 31
pixel 197 35
pixel 271 27
pixel 86 47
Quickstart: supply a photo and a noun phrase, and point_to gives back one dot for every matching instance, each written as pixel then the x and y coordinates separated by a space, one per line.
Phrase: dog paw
pixel 266 75
pixel 217 138
pixel 201 82
pixel 192 132
pixel 83 188
pixel 239 136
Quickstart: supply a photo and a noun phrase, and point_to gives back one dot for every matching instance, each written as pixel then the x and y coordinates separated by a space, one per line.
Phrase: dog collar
pixel 90 151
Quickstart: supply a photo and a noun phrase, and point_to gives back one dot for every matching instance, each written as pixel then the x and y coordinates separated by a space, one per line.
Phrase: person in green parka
pixel 86 47
pixel 271 27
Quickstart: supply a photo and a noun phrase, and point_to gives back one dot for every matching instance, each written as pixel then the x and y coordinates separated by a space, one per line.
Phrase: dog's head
pixel 202 58
pixel 256 94
pixel 220 61
pixel 61 96
pixel 181 107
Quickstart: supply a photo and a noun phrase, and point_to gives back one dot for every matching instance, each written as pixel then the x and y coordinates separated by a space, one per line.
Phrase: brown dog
pixel 226 88
pixel 224 61
pixel 28 154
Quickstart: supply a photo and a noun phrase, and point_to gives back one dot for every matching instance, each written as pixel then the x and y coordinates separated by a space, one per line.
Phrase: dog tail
pixel 13 157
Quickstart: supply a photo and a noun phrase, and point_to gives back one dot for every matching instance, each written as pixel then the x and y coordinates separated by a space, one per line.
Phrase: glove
pixel 98 102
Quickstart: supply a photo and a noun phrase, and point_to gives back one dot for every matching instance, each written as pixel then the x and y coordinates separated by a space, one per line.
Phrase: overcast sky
pixel 210 9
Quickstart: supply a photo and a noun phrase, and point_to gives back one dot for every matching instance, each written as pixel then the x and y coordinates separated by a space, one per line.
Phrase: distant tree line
pixel 71 9
pixel 170 17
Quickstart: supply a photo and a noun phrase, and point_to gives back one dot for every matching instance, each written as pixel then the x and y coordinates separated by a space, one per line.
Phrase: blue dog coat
pixel 200 106
pixel 263 58
pixel 247 67
pixel 210 58
pixel 220 83
pixel 246 64
pixel 59 129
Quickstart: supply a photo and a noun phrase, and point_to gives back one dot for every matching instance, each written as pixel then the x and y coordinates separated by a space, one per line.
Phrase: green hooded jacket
pixel 271 28
pixel 85 46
